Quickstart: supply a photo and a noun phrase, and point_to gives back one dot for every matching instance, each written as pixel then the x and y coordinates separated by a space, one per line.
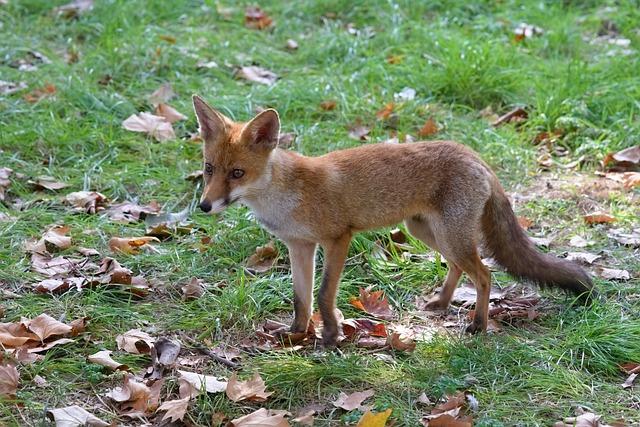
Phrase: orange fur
pixel 445 193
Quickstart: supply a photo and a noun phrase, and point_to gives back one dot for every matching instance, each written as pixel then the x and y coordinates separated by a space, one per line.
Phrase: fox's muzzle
pixel 205 205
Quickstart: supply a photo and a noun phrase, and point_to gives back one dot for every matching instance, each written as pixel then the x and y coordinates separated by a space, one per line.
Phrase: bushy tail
pixel 512 249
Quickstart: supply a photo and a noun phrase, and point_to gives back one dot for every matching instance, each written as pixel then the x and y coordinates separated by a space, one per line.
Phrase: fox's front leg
pixel 302 255
pixel 335 253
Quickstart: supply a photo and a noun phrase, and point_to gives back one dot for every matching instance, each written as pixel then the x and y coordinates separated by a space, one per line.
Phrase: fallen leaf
pixel 580 242
pixel 49 345
pixel 192 290
pixel 429 128
pixel 53 240
pixel 631 179
pixel 261 418
pixel 587 419
pixel 352 401
pixel 424 399
pixel 369 419
pixel 45 326
pixel 525 222
pixel 517 115
pixel 112 272
pixel 286 139
pixel 401 342
pixel 622 161
pixel 103 358
pixel 176 409
pixel 291 44
pixel 584 257
pixel 526 31
pixel 167 224
pixel 46 183
pixel 131 211
pixel 89 202
pixel 206 64
pixel 74 9
pixel 4 181
pixel 131 245
pixel 168 38
pixel 78 326
pixel 624 238
pixel 135 341
pixel 256 18
pixel 41 93
pixel 598 218
pixel 628 383
pixel 47 265
pixel 195 176
pixel 252 390
pixel 263 258
pixel 374 303
pixel 198 382
pixel 445 420
pixel 395 59
pixel 612 273
pixel 359 132
pixel 161 95
pixel 169 113
pixel 386 111
pixel 328 105
pixel 9 380
pixel 40 381
pixel 164 354
pixel 7 88
pixel 88 252
pixel 133 396
pixel 155 126
pixel 74 416
pixel 257 75
pixel 305 418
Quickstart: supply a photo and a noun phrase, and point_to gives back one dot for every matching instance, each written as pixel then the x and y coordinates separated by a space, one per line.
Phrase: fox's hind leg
pixel 419 227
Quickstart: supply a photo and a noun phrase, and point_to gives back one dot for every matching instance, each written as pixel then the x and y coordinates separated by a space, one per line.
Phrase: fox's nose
pixel 205 206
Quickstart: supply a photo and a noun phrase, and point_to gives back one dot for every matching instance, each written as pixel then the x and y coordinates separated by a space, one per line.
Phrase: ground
pixel 577 79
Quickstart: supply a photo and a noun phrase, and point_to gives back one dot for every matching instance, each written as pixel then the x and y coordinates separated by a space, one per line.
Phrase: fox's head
pixel 236 155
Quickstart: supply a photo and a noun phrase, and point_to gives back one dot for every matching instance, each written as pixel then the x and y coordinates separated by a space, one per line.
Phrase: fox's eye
pixel 237 173
pixel 208 168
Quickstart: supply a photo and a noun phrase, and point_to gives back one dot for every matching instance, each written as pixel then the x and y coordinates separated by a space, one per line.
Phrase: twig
pixel 202 349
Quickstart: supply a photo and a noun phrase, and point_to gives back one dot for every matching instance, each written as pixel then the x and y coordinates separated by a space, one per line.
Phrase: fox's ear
pixel 263 130
pixel 212 124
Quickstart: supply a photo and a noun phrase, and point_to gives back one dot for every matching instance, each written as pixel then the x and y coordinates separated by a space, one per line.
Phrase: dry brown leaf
pixel 622 161
pixel 135 341
pixel 261 418
pixel 587 419
pixel 580 242
pixel 133 396
pixel 74 416
pixel 612 273
pixel 9 380
pixel 45 326
pixel 161 95
pixel 525 222
pixel 195 176
pixel 200 382
pixel 263 258
pixel 374 303
pixel 39 94
pixel 4 181
pixel 252 390
pixel 429 128
pixel 169 113
pixel 305 418
pixel 599 218
pixel 131 212
pixel 369 419
pixel 193 289
pixel 74 9
pixel 401 342
pixel 46 183
pixel 257 75
pixel 87 201
pixel 446 420
pixel 47 265
pixel 328 105
pixel 164 354
pixel 359 132
pixel 516 115
pixel 584 257
pixel 103 358
pixel 153 125
pixel 352 401
pixel 631 179
pixel 386 111
pixel 131 245
pixel 53 240
pixel 256 18
pixel 176 409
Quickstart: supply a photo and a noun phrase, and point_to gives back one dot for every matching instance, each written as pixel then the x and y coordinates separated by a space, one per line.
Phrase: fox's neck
pixel 273 181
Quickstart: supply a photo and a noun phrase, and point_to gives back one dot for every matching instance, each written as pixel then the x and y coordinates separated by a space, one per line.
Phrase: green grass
pixel 459 56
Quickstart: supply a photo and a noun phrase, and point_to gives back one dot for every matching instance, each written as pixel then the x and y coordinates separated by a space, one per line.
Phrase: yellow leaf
pixel 369 419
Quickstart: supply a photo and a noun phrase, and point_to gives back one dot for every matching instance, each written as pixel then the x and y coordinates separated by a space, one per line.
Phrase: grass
pixel 460 57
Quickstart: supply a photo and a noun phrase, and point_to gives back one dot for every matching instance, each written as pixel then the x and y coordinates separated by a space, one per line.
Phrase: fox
pixel 445 194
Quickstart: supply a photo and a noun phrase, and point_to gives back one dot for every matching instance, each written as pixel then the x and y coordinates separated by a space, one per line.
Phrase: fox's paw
pixel 329 338
pixel 298 327
pixel 436 304
pixel 475 328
